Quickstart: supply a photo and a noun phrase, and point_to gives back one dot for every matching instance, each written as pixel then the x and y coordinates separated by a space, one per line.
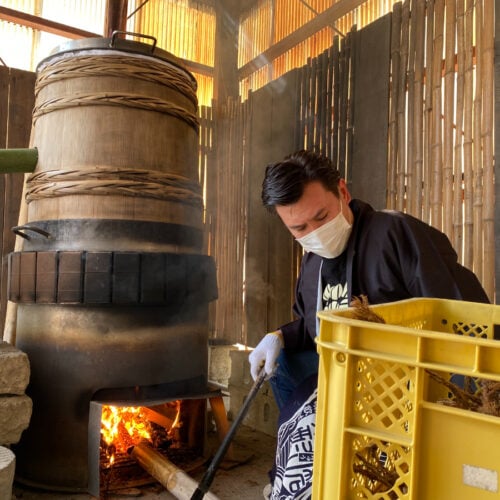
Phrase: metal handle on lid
pixel 116 33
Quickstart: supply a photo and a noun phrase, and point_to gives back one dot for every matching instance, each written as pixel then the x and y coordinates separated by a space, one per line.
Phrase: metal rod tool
pixel 208 477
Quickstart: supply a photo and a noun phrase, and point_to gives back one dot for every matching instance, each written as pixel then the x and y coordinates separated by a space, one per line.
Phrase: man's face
pixel 316 207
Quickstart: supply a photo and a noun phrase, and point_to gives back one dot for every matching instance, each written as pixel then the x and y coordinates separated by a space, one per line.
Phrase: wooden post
pixel 115 16
pixel 226 50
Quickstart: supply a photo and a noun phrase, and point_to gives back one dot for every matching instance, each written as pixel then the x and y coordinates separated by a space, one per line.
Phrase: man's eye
pixel 321 217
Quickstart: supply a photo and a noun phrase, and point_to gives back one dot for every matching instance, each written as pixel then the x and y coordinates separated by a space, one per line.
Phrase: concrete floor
pixel 243 482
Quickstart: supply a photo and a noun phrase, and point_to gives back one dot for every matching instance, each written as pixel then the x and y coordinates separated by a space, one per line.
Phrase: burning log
pixel 165 472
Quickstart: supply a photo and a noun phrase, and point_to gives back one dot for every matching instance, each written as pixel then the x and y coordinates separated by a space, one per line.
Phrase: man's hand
pixel 265 354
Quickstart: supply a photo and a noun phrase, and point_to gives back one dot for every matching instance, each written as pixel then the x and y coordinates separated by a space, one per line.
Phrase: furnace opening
pixel 175 430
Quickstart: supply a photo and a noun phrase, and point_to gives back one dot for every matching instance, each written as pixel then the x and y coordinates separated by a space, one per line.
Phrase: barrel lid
pixel 116 43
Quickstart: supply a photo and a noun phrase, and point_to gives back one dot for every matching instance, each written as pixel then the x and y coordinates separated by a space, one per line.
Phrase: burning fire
pixel 123 427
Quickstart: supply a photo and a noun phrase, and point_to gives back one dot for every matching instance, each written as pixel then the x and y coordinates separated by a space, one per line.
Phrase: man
pixel 350 250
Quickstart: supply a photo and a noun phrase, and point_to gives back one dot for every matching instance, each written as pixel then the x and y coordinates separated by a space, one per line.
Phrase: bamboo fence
pixel 225 213
pixel 326 113
pixel 440 165
pixel 440 124
pixel 270 21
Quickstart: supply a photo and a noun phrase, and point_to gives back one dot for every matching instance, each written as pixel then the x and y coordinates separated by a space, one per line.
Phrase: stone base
pixel 7 469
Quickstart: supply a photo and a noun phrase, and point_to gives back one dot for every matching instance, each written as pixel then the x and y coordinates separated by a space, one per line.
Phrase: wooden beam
pixel 326 18
pixel 199 68
pixel 39 23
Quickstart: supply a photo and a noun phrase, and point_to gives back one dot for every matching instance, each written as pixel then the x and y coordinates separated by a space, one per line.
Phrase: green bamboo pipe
pixel 18 160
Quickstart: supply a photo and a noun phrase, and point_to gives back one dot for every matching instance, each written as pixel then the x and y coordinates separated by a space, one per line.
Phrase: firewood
pixel 180 484
pixel 361 310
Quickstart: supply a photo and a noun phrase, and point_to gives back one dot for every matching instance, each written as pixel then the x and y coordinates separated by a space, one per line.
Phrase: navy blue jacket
pixel 390 256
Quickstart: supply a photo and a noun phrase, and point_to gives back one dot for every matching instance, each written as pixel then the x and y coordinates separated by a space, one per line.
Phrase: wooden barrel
pixel 116 128
pixel 111 283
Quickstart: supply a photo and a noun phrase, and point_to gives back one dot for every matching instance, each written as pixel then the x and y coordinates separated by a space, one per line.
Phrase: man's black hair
pixel 284 181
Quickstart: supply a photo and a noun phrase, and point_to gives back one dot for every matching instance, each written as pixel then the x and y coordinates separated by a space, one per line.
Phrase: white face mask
pixel 330 239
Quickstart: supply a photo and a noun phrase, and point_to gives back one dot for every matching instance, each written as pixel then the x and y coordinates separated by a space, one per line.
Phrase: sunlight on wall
pixel 181 27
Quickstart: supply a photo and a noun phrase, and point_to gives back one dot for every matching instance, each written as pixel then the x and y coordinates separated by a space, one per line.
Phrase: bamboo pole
pixel 401 108
pixel 302 105
pixel 457 239
pixel 449 103
pixel 478 163
pixel 418 109
pixel 236 189
pixel 323 103
pixel 314 103
pixel 246 118
pixel 329 104
pixel 336 98
pixel 428 113
pixel 468 154
pixel 350 77
pixel 239 168
pixel 223 253
pixel 437 146
pixel 169 475
pixel 393 125
pixel 410 116
pixel 343 108
pixel 488 56
pixel 309 122
pixel 10 325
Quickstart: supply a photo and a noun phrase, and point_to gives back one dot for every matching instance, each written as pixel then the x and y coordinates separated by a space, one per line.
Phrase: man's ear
pixel 343 191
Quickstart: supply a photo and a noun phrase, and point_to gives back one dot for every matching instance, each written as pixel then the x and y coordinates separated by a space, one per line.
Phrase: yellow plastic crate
pixel 377 404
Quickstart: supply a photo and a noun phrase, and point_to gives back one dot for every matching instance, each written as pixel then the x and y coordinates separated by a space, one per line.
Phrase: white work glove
pixel 265 353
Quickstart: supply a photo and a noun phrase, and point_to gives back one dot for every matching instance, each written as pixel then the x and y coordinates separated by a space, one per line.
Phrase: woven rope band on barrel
pixel 117 66
pixel 113 181
pixel 123 100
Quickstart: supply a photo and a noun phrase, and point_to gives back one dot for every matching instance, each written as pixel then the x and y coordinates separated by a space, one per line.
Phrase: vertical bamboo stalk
pixel 401 108
pixel 457 239
pixel 468 153
pixel 426 195
pixel 200 37
pixel 245 180
pixel 238 176
pixel 350 79
pixel 336 98
pixel 329 104
pixel 418 109
pixel 394 98
pixel 449 103
pixel 323 104
pixel 488 55
pixel 478 163
pixel 343 107
pixel 237 196
pixel 309 120
pixel 219 237
pixel 437 146
pixel 303 106
pixel 410 113
pixel 314 102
